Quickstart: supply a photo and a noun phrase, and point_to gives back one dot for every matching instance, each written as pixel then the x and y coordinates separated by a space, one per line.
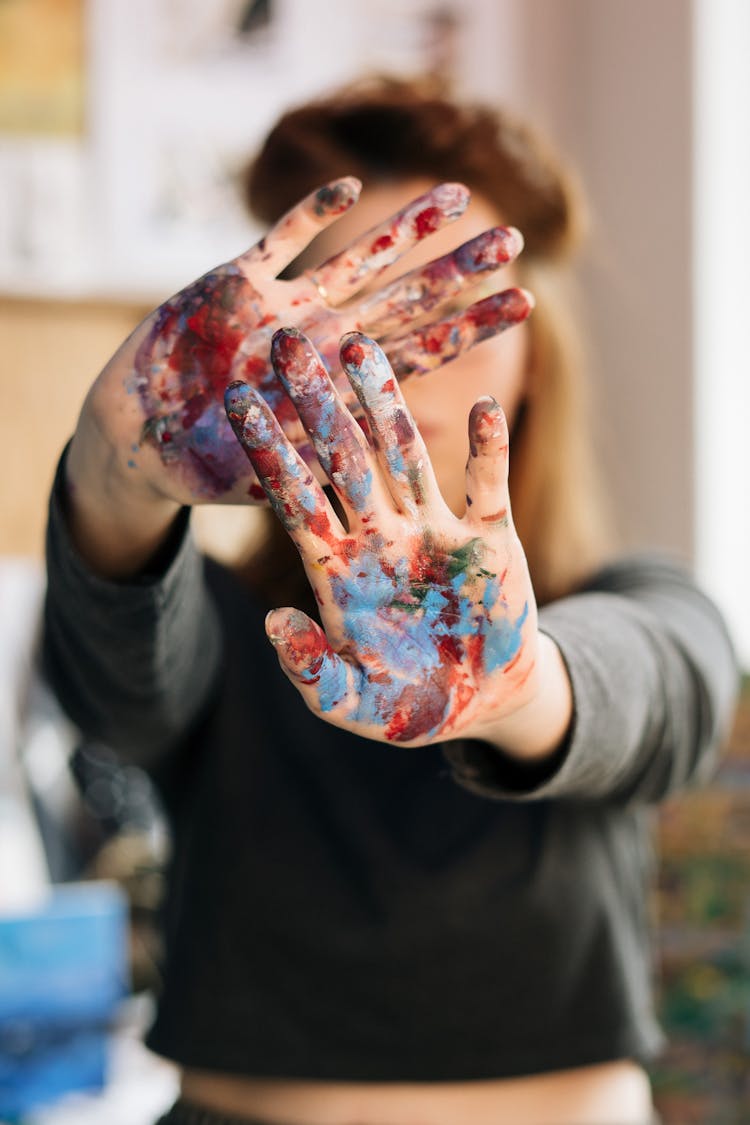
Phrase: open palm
pixel 159 401
pixel 429 621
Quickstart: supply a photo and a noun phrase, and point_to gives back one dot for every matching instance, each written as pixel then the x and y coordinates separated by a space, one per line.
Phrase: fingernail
pixel 284 334
pixel 360 354
pixel 501 310
pixel 453 198
pixel 248 415
pixel 237 400
pixel 517 238
pixel 337 197
pixel 351 350
pixel 486 422
pixel 488 250
pixel 285 341
pixel 273 636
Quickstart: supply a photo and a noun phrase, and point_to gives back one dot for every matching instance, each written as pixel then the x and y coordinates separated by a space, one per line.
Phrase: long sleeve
pixel 654 681
pixel 134 663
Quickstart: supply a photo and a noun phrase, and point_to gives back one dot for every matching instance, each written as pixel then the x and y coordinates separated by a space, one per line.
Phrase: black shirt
pixel 341 909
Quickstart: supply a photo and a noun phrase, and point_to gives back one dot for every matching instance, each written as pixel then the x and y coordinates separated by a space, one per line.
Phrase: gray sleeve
pixel 654 680
pixel 132 663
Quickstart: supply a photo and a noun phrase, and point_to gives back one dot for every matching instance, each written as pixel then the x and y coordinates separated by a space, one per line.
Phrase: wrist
pixel 116 524
pixel 538 727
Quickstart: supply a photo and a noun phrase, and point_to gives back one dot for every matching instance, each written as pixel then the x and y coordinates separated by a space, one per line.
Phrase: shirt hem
pixel 255 1061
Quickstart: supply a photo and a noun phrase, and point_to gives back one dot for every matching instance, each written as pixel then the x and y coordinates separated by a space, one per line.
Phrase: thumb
pixel 324 680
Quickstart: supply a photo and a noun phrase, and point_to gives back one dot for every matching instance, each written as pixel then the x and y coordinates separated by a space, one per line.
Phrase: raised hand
pixel 429 621
pixel 158 405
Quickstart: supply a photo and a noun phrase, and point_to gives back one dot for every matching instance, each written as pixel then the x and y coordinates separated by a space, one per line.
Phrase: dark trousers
pixel 183 1113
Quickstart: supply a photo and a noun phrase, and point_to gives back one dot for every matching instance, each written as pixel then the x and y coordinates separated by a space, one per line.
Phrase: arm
pixel 132 644
pixel 153 435
pixel 133 663
pixel 430 627
pixel 654 683
pixel 429 620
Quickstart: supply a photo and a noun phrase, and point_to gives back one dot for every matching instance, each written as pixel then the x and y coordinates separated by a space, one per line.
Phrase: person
pixel 411 849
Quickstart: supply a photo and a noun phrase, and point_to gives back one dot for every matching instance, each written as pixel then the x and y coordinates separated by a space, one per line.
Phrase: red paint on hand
pixel 427 221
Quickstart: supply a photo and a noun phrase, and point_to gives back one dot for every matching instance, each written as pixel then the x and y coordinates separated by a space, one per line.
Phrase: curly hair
pixel 384 130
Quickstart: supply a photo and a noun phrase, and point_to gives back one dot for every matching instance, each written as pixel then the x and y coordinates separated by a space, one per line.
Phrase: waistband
pixel 185 1113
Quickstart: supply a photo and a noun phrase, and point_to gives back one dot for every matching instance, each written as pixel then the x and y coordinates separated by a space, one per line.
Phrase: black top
pixel 342 909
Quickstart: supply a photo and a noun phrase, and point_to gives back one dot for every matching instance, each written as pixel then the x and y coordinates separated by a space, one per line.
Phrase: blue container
pixel 63 975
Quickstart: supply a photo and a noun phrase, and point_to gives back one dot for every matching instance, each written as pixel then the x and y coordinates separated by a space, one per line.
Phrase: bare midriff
pixel 612 1093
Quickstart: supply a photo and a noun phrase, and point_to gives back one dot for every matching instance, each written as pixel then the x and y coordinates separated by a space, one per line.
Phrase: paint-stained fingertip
pixel 253 422
pixel 501 310
pixel 452 198
pixel 355 348
pixel 530 299
pixel 516 239
pixel 487 421
pixel 272 624
pixel 281 623
pixel 285 340
pixel 301 643
pixel 514 304
pixel 238 398
pixel 285 333
pixel 337 196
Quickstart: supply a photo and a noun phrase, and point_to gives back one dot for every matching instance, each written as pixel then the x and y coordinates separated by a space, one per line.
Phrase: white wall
pixel 611 81
pixel 651 100
pixel 721 298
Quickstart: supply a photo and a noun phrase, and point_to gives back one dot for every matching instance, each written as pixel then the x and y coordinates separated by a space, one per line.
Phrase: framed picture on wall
pixel 179 93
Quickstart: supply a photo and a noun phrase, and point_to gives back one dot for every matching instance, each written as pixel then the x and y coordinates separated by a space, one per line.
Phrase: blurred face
pixel 441 401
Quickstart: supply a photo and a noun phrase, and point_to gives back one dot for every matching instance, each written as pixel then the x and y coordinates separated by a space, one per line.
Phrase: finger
pixel 487 499
pixel 298 227
pixel 338 441
pixel 430 347
pixel 325 681
pixel 346 273
pixel 401 452
pixel 295 495
pixel 422 290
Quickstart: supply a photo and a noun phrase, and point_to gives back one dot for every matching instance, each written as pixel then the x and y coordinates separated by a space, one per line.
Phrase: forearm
pixel 116 526
pixel 133 662
pixel 653 682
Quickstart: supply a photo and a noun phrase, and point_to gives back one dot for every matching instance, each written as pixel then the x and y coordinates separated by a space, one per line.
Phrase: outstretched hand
pixel 158 405
pixel 429 621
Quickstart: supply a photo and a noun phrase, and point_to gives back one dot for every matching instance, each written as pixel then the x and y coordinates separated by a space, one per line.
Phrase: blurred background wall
pixel 124 122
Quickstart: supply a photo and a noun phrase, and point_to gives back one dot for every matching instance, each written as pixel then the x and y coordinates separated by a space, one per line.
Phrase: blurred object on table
pixel 63 975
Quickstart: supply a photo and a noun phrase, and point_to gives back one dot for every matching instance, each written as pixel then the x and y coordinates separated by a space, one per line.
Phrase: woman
pixel 354 932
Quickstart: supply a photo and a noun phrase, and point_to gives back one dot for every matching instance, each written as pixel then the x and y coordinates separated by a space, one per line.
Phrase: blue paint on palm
pixel 396 625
